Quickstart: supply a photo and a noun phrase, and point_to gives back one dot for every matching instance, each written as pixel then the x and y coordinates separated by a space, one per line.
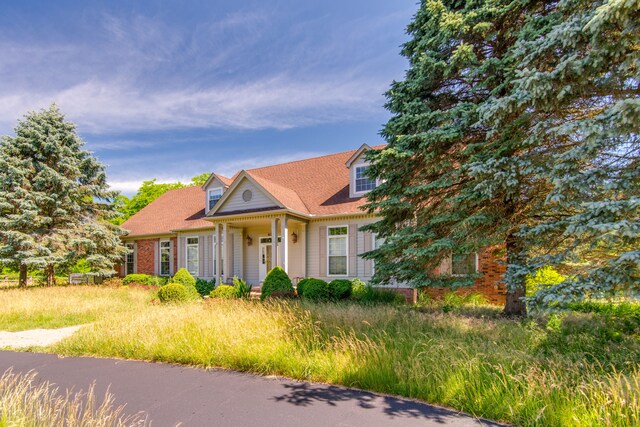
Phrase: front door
pixel 265 261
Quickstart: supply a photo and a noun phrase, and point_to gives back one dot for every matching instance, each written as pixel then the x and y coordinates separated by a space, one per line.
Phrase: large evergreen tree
pixel 577 100
pixel 54 199
pixel 428 202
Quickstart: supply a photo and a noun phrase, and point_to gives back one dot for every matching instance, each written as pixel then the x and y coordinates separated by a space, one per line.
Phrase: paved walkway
pixel 35 337
pixel 170 394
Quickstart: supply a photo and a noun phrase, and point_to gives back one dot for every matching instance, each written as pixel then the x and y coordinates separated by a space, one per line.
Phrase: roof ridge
pixel 281 186
pixel 304 160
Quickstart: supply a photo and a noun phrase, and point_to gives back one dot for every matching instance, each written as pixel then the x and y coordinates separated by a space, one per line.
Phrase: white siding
pixel 251 272
pixel 236 203
pixel 313 247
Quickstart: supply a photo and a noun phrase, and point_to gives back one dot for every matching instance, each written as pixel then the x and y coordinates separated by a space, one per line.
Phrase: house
pixel 304 216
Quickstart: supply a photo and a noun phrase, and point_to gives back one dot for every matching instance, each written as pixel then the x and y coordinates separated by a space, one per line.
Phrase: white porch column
pixel 302 241
pixel 227 258
pixel 275 259
pixel 284 232
pixel 218 255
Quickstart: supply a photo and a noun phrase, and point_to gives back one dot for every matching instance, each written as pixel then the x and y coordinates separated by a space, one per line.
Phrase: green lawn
pixel 578 370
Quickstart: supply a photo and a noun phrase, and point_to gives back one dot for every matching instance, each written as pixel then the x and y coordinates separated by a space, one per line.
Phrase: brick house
pixel 228 227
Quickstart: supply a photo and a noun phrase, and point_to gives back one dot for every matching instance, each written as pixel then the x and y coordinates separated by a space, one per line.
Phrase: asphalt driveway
pixel 172 394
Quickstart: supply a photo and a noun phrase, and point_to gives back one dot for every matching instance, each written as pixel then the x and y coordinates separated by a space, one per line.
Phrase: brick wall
pixel 146 261
pixel 487 285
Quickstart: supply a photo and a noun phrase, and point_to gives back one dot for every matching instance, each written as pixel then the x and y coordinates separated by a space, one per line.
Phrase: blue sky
pixel 169 89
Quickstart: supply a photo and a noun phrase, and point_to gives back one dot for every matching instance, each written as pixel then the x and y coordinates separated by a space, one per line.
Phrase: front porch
pixel 252 251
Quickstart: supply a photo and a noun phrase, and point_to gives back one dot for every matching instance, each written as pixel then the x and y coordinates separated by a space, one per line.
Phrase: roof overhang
pixel 242 175
pixel 358 153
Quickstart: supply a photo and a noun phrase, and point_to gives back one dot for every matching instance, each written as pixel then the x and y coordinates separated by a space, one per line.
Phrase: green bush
pixel 300 286
pixel 358 288
pixel 315 290
pixel 544 277
pixel 276 281
pixel 143 279
pixel 452 300
pixel 282 295
pixel 372 295
pixel 340 289
pixel 184 277
pixel 173 292
pixel 242 289
pixel 204 287
pixel 224 292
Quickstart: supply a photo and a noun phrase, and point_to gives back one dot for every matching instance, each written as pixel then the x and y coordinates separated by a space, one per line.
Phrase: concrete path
pixel 35 337
pixel 171 394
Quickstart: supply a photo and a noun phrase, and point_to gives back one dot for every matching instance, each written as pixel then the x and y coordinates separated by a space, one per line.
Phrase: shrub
pixel 159 280
pixel 300 286
pixel 358 288
pixel 242 289
pixel 224 292
pixel 452 300
pixel 143 279
pixel 184 277
pixel 315 290
pixel 204 287
pixel 544 277
pixel 340 289
pixel 173 292
pixel 276 280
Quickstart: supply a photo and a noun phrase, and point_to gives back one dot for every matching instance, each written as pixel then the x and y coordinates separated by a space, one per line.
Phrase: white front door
pixel 265 260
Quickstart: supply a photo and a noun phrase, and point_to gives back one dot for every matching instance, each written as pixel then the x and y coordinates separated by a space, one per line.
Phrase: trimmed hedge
pixel 314 290
pixel 173 292
pixel 224 292
pixel 340 289
pixel 184 277
pixel 277 280
pixel 144 279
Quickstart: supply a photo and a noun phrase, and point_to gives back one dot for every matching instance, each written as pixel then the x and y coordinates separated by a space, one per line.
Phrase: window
pixel 130 259
pixel 337 250
pixel 376 243
pixel 193 254
pixel 464 264
pixel 363 182
pixel 165 258
pixel 214 195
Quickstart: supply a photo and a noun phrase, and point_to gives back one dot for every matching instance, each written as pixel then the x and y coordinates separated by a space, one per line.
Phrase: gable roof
pixel 320 183
pixel 223 179
pixel 182 208
pixel 318 186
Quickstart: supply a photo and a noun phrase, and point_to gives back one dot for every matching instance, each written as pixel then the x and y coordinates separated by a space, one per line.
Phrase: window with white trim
pixel 363 182
pixel 193 256
pixel 130 259
pixel 337 250
pixel 464 264
pixel 165 258
pixel 214 195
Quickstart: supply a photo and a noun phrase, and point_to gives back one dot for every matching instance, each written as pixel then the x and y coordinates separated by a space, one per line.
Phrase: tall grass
pixel 528 373
pixel 25 402
pixel 57 307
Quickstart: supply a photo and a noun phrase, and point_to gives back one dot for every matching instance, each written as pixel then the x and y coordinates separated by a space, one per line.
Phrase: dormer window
pixel 363 182
pixel 214 195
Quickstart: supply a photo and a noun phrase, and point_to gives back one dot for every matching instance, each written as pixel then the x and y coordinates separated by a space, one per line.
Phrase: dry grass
pixel 520 372
pixel 25 402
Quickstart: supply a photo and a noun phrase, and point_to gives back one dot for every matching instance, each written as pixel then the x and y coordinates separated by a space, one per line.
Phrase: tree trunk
pixel 50 271
pixel 22 279
pixel 515 304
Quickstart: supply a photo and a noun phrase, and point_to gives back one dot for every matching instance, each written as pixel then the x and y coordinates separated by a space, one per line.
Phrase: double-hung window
pixel 165 258
pixel 464 264
pixel 193 256
pixel 214 195
pixel 130 260
pixel 337 243
pixel 363 182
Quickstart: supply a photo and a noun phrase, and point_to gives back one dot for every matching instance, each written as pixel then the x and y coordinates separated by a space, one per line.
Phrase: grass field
pixel 579 369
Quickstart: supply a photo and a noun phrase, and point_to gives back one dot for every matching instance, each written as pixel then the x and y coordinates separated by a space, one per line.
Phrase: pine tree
pixel 577 99
pixel 429 203
pixel 54 200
